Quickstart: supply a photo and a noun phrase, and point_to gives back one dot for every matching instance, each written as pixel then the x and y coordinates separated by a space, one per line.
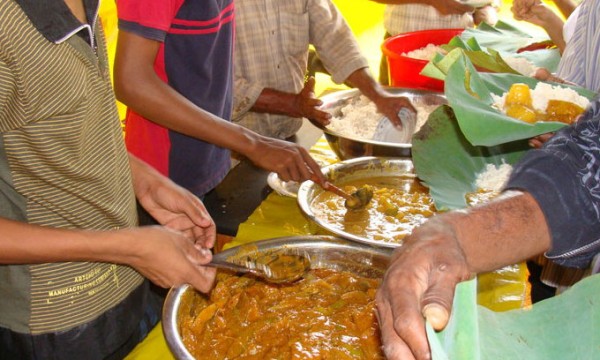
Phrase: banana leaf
pixel 503 37
pixel 488 60
pixel 562 327
pixel 449 164
pixel 469 94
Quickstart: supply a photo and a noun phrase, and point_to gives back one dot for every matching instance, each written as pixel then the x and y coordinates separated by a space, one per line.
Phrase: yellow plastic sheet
pixel 154 347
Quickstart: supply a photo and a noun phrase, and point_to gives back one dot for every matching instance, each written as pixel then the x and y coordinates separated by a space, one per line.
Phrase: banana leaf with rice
pixel 469 93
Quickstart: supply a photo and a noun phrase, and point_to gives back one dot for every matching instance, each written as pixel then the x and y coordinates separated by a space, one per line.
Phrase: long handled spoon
pixel 275 268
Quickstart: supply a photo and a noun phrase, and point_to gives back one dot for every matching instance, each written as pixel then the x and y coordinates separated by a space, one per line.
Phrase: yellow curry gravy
pixel 325 315
pixel 399 205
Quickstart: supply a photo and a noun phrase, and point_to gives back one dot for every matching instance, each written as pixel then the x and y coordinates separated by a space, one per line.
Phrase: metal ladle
pixel 276 268
pixel 355 201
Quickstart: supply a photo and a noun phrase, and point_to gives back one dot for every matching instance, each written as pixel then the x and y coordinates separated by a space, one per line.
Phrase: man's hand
pixel 307 105
pixel 171 205
pixel 539 141
pixel 389 105
pixel 419 284
pixel 290 161
pixel 545 75
pixel 169 258
pixel 487 14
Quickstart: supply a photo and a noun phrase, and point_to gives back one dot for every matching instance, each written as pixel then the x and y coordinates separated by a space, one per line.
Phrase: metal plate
pixel 323 251
pixel 349 170
pixel 347 147
pixel 285 188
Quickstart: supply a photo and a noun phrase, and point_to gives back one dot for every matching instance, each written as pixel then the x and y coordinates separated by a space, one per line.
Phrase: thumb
pixel 309 86
pixel 436 303
pixel 436 315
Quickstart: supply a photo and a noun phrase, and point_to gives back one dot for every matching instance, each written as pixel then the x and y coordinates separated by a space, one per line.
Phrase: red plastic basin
pixel 403 71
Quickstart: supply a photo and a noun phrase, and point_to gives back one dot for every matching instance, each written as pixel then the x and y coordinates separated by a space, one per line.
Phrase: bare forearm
pixel 158 102
pixel 566 7
pixel 22 243
pixel 138 86
pixel 554 29
pixel 501 233
pixel 364 81
pixel 277 102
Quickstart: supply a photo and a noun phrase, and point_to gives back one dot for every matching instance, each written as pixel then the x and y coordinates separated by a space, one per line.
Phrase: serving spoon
pixel 355 201
pixel 275 268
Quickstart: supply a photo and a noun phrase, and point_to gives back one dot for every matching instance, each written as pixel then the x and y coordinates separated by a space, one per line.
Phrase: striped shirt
pixel 271 51
pixel 398 19
pixel 63 164
pixel 580 62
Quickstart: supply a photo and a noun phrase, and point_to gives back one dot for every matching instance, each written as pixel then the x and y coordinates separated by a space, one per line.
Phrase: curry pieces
pixel 519 105
pixel 399 204
pixel 326 315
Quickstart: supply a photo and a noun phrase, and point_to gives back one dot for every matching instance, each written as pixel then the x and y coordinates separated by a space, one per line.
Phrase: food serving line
pixel 247 210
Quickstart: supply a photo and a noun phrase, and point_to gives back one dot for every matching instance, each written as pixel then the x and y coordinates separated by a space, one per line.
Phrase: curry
pixel 327 314
pixel 399 204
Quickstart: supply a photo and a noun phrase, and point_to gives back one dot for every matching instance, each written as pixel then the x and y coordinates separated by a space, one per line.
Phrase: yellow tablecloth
pixel 280 216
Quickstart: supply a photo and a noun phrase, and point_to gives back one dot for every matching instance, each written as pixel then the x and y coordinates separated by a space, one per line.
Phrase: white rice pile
pixel 494 177
pixel 544 92
pixel 359 119
pixel 425 53
pixel 521 65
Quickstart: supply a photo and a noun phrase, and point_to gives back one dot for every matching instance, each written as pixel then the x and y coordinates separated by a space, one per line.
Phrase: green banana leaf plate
pixel 449 164
pixel 469 93
pixel 503 36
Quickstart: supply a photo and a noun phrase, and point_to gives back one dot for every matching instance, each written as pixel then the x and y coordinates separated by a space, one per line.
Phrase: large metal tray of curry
pixel 329 313
pixel 399 204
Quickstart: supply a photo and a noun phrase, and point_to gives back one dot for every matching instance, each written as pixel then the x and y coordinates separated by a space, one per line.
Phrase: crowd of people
pixel 75 266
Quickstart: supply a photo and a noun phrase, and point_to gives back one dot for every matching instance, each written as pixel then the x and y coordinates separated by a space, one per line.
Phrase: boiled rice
pixel 359 119
pixel 425 53
pixel 493 178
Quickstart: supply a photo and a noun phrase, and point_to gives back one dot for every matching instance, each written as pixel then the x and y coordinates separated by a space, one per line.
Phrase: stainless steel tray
pixel 348 170
pixel 347 147
pixel 323 251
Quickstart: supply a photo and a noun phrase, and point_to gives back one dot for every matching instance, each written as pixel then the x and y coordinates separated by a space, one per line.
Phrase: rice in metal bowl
pixel 355 119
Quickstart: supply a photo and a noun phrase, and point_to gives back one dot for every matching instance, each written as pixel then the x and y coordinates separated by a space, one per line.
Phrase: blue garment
pixel 564 178
pixel 196 59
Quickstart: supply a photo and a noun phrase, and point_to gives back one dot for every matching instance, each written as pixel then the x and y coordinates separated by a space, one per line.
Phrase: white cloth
pixel 569 26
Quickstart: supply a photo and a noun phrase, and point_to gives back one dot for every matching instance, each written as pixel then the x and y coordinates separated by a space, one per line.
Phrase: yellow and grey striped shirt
pixel 63 164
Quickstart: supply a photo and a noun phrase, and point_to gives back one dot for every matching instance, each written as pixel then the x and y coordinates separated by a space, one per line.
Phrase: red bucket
pixel 403 71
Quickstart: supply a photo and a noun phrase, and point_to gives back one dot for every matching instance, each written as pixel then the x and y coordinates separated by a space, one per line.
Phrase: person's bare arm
pixel 537 13
pixel 139 87
pixel 164 256
pixel 448 249
pixel 172 205
pixel 566 7
pixel 301 105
